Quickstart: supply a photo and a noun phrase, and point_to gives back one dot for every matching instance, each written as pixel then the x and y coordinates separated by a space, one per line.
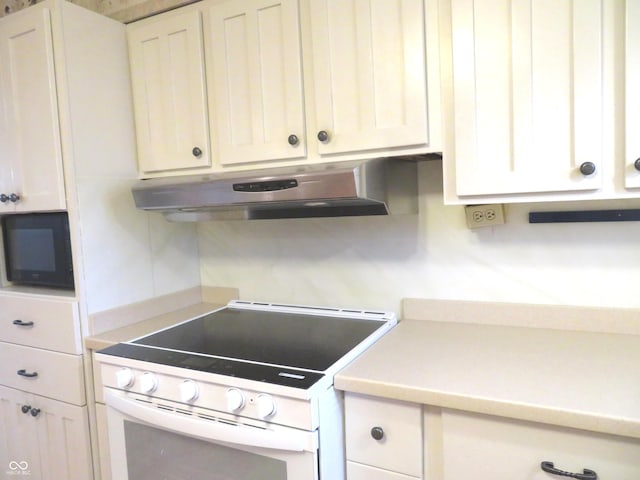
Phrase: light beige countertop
pixel 581 379
pixel 133 321
pixel 138 329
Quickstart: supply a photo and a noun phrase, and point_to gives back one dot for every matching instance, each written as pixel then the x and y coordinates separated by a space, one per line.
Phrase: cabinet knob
pixel 35 412
pixel 586 475
pixel 293 140
pixel 14 198
pixel 25 409
pixel 4 198
pixel 197 152
pixel 636 164
pixel 323 136
pixel 588 168
pixel 377 433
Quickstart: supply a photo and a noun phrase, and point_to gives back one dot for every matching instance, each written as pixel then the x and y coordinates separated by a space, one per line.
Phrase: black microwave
pixel 37 249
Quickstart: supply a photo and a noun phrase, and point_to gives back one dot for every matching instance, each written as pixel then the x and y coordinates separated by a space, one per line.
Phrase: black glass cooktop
pixel 310 342
pixel 262 345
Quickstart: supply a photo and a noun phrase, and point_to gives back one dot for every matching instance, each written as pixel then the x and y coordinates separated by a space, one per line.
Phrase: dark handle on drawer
pixel 23 373
pixel 586 475
pixel 35 412
pixel 20 323
pixel 25 409
pixel 377 433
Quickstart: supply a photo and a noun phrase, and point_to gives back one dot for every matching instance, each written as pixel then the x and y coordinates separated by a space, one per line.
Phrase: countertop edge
pixel 514 410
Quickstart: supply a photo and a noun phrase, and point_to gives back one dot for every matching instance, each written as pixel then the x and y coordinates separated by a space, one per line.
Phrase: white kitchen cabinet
pixel 41 369
pixel 44 372
pixel 369 74
pixel 485 447
pixel 302 81
pixel 42 322
pixel 632 94
pixel 383 438
pixel 31 171
pixel 526 79
pixel 256 80
pixel 43 439
pixel 168 81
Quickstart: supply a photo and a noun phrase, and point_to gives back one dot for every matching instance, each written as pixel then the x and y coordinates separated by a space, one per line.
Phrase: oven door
pixel 152 441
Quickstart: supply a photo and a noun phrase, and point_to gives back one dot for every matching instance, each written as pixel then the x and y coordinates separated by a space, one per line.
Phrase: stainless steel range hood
pixel 367 187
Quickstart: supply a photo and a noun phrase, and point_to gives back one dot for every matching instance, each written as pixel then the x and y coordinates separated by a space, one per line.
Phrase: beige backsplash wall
pixel 375 262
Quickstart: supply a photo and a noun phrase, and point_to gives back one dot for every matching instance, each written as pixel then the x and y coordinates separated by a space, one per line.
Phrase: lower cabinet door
pixel 42 438
pixel 483 447
pixel 356 471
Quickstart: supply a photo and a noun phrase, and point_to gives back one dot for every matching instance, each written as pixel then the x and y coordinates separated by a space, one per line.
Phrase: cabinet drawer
pixel 59 375
pixel 400 447
pixel 46 323
pixel 356 471
pixel 489 448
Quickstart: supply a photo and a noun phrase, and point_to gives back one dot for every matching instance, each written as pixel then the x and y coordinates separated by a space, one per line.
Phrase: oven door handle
pixel 213 431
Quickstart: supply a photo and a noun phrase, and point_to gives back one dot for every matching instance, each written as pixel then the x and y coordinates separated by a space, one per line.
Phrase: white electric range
pixel 245 392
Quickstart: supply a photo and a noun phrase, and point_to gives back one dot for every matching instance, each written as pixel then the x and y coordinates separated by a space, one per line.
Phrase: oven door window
pixel 154 454
pixel 140 451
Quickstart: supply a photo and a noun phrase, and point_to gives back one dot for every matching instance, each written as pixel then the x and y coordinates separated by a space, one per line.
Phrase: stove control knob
pixel 148 383
pixel 266 406
pixel 125 378
pixel 235 399
pixel 189 391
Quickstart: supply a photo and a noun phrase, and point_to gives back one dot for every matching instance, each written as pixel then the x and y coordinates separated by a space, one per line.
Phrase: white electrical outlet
pixel 484 215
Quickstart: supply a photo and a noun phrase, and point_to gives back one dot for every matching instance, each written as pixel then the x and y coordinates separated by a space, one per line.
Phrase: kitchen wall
pixel 375 262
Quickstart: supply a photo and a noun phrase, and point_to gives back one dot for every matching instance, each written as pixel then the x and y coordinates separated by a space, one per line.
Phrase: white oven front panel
pixel 148 443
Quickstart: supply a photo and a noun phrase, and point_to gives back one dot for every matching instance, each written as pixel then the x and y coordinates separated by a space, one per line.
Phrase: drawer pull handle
pixel 586 475
pixel 377 433
pixel 23 373
pixel 20 323
pixel 35 412
pixel 25 409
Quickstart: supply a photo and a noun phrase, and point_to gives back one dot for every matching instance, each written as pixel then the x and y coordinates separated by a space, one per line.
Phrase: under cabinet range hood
pixel 367 187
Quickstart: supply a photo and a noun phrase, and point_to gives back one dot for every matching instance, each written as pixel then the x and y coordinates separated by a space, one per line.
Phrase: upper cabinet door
pixel 632 167
pixel 30 149
pixel 256 80
pixel 170 101
pixel 527 86
pixel 369 74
